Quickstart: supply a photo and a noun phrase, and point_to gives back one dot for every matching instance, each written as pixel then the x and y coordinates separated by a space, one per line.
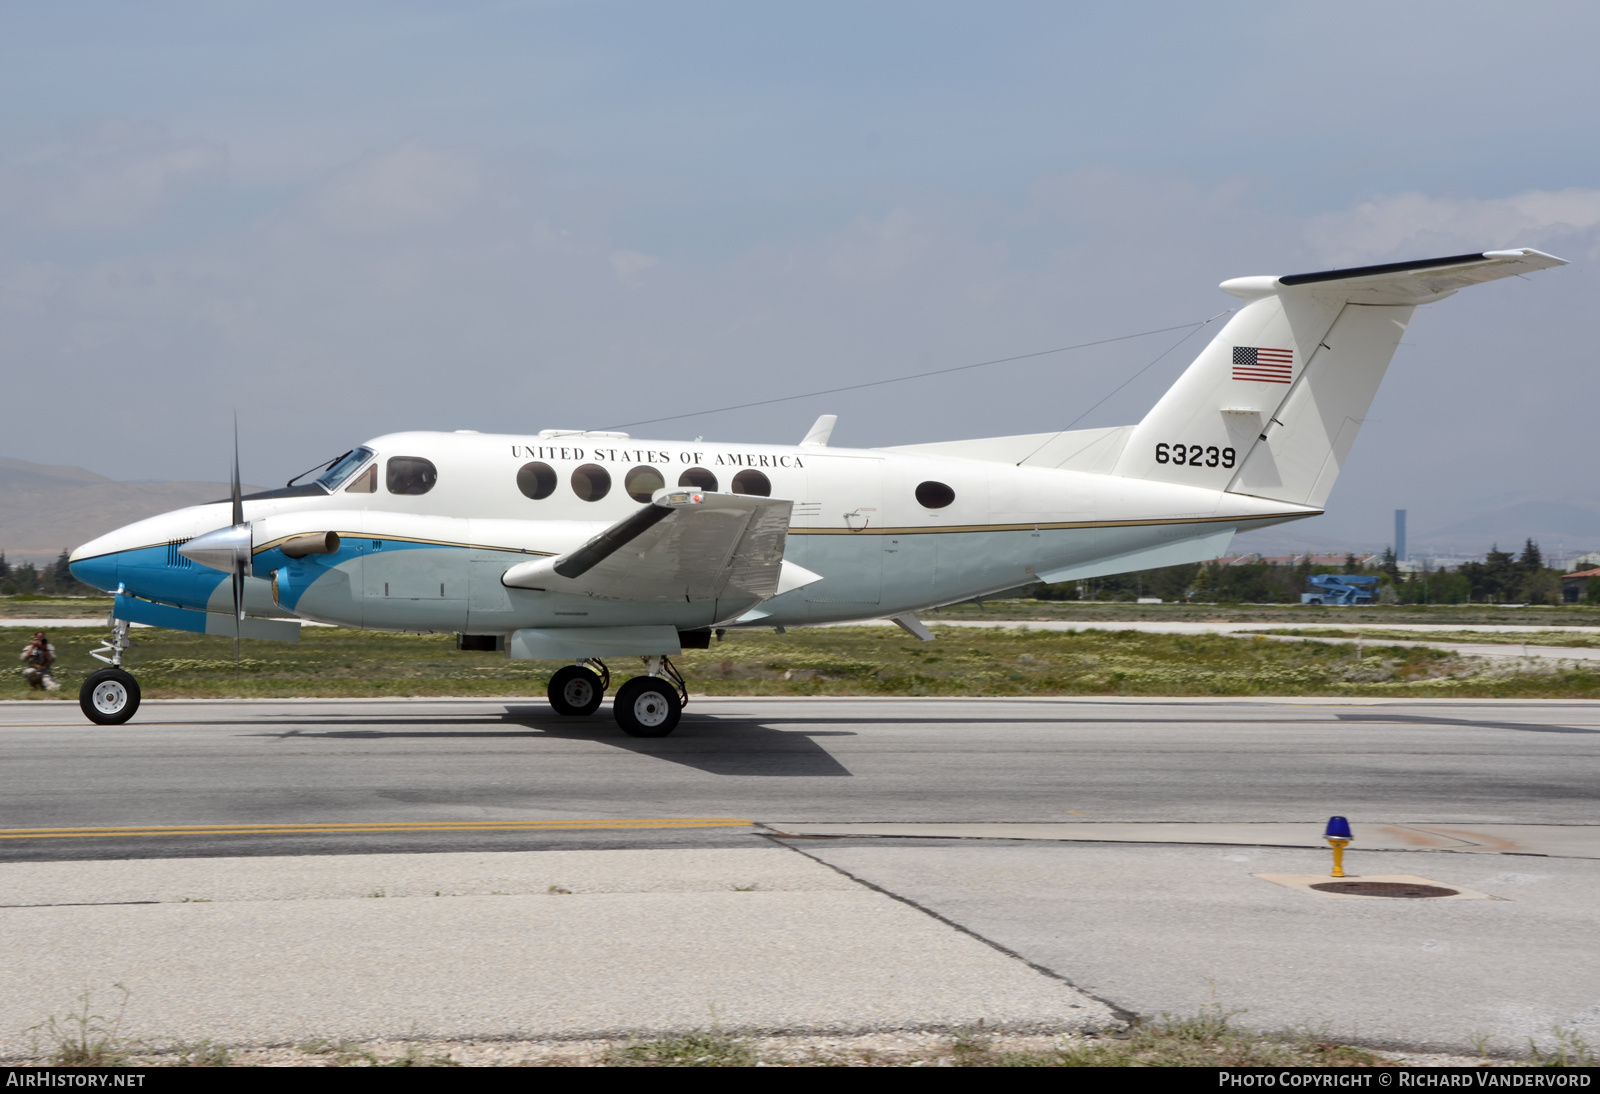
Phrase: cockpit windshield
pixel 343 467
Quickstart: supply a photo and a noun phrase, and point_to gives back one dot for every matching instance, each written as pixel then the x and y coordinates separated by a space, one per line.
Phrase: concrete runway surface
pixel 271 871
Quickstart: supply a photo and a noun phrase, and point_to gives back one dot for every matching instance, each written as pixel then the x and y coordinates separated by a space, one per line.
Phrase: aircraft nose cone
pixel 100 572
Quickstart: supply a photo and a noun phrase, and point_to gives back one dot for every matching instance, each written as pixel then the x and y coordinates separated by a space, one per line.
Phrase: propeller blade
pixel 239 563
pixel 238 493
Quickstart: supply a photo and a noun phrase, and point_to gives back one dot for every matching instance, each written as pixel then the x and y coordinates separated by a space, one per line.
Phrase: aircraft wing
pixel 685 545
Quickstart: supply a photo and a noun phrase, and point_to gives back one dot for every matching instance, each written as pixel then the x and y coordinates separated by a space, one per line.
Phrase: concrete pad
pixel 1171 929
pixel 482 873
pixel 289 949
pixel 1564 840
pixel 1307 883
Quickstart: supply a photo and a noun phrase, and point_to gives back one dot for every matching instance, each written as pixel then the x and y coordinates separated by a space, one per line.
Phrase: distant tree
pixel 23 579
pixel 1495 578
pixel 5 567
pixel 1352 564
pixel 1390 565
pixel 1530 558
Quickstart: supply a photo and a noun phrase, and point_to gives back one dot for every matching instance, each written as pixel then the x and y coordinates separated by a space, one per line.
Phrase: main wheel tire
pixel 109 697
pixel 647 706
pixel 575 690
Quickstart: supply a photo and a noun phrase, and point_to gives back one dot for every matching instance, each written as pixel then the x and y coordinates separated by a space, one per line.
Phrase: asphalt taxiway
pixel 799 864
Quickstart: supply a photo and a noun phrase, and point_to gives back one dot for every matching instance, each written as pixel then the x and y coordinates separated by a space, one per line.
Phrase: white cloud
pixel 1416 225
pixel 414 185
pixel 628 265
pixel 117 177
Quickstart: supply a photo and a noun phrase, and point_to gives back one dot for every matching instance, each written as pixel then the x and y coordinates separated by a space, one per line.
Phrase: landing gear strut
pixel 578 689
pixel 110 696
pixel 650 706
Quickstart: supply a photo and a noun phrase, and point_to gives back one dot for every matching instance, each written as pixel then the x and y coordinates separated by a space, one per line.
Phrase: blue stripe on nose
pixel 100 572
pixel 155 573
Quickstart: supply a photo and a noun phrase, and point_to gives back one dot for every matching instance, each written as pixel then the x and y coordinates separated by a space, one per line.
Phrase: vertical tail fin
pixel 1272 406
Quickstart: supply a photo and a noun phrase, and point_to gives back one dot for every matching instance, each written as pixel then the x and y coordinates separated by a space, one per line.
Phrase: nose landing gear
pixel 110 696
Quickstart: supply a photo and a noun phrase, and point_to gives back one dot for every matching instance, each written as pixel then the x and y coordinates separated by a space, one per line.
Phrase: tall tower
pixel 1400 535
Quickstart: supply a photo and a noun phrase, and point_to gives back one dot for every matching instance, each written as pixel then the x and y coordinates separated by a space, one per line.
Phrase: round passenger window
pixel 536 480
pixel 699 478
pixel 934 495
pixel 410 475
pixel 752 482
pixel 591 482
pixel 642 483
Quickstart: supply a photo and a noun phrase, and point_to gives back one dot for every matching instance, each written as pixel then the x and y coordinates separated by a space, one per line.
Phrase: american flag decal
pixel 1272 366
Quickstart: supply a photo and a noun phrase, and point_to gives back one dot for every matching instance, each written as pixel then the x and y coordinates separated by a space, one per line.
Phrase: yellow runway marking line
pixel 377 827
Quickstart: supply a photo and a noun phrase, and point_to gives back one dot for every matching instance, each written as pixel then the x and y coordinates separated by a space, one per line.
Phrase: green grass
pixel 330 662
pixel 1512 638
pixel 54 607
pixel 1102 611
pixel 685 1050
pixel 1206 1040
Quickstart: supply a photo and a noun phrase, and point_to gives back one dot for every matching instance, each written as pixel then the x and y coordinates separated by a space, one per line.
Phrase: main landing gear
pixel 645 706
pixel 578 689
pixel 110 696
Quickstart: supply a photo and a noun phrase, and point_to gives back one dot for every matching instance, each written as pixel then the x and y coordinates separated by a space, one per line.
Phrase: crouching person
pixel 37 658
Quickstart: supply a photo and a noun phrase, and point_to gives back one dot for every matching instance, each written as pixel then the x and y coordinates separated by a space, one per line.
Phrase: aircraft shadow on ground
pixel 715 745
pixel 1421 720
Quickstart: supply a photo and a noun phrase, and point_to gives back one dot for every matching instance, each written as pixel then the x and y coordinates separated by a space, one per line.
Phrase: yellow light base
pixel 1338 856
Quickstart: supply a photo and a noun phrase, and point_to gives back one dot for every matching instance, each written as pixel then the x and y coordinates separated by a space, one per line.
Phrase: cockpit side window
pixel 364 483
pixel 343 467
pixel 410 475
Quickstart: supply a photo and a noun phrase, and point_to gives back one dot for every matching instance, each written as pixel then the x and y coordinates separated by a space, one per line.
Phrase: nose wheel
pixel 650 706
pixel 109 697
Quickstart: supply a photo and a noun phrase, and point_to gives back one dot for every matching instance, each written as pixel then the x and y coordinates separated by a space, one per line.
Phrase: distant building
pixel 1574 586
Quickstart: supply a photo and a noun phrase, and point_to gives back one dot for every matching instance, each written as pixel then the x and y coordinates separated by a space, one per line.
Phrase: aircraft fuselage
pixel 887 531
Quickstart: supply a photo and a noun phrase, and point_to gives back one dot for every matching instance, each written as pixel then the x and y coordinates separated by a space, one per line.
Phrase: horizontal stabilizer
pixel 1421 281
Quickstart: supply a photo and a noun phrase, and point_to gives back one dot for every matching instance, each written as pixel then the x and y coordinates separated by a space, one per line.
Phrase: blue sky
pixel 349 219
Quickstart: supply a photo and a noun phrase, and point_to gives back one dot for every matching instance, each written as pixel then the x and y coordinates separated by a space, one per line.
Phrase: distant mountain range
pixel 44 509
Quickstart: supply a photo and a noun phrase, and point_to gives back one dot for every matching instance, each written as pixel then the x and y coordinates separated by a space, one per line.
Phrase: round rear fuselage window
pixel 752 482
pixel 699 478
pixel 642 482
pixel 591 482
pixel 536 480
pixel 934 495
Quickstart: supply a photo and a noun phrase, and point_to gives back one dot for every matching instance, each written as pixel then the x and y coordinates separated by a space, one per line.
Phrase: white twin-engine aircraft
pixel 581 546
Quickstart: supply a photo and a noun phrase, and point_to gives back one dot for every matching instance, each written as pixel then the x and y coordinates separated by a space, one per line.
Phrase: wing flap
pixel 685 546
